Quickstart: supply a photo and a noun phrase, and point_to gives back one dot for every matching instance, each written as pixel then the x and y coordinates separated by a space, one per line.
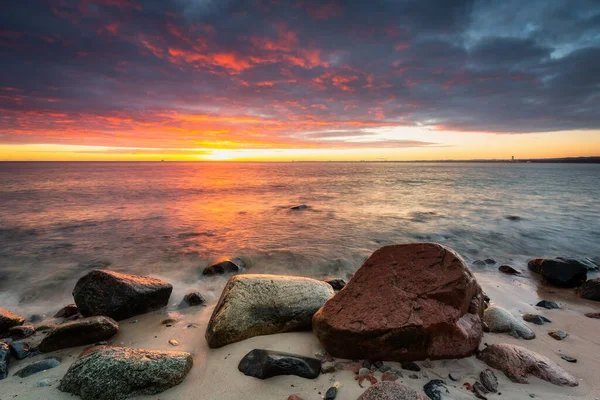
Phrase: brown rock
pixel 590 290
pixel 67 311
pixel 390 390
pixel 8 319
pixel 406 302
pixel 517 362
pixel 21 332
pixel 294 397
pixel 595 315
pixel 78 333
pixel 389 376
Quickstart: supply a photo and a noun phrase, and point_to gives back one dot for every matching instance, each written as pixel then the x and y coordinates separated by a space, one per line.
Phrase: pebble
pixel 168 321
pixel 363 372
pixel 507 269
pixel 410 366
pixel 331 393
pixel 479 390
pixel 44 382
pixel 193 326
pixel 435 389
pixel 327 367
pixel 479 263
pixel 389 376
pixel 413 376
pixel 568 358
pixel 548 304
pixel 454 376
pixel 384 368
pixel 489 380
pixel 558 335
pixel 489 261
pixel 173 342
pixel 377 364
pixel 20 350
pixel 535 318
pixel 595 315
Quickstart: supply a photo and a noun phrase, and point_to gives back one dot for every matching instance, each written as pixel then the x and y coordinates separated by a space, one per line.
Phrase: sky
pixel 299 80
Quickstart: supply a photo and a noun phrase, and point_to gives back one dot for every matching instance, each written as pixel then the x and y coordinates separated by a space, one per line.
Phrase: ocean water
pixel 60 220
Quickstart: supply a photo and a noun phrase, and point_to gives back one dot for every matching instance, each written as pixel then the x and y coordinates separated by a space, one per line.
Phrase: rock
pixel 410 366
pixel 389 376
pixel 535 318
pixel 44 382
pixel 36 318
pixel 568 358
pixel 38 366
pixel 500 320
pixel 21 331
pixel 479 263
pixel 173 342
pixel 548 304
pixel 507 269
pixel 253 305
pixel 353 366
pixel 299 207
pixel 336 283
pixel 8 319
pixel 413 376
pixel 119 296
pixel 454 376
pixel 517 362
pixel 20 350
pixel 435 389
pixel 489 261
pixel 294 397
pixel 4 353
pixel 489 380
pixel 67 311
pixel 479 391
pixel 558 335
pixel 590 290
pixel 78 333
pixel 331 393
pixel 513 218
pixel 265 364
pixel 405 303
pixel 327 367
pixel 192 299
pixel 114 373
pixel 235 265
pixel 384 368
pixel 559 272
pixel 390 390
pixel 363 372
pixel 595 315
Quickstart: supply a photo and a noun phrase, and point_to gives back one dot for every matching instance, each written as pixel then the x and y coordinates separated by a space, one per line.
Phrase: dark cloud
pixel 279 73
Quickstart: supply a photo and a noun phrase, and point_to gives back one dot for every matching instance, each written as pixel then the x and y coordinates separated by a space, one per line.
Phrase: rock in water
pixel 435 389
pixel 38 366
pixel 78 333
pixel 517 362
pixel 336 283
pixel 389 390
pixel 535 318
pixel 507 269
pixel 405 303
pixel 67 311
pixel 114 373
pixel 119 296
pixel 192 299
pixel 21 332
pixel 548 304
pixel 299 207
pixel 253 305
pixel 591 290
pixel 500 320
pixel 235 265
pixel 559 272
pixel 558 335
pixel 4 353
pixel 489 380
pixel 265 364
pixel 8 319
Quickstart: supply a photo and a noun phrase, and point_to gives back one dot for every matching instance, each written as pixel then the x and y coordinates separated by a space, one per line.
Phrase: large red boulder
pixel 406 302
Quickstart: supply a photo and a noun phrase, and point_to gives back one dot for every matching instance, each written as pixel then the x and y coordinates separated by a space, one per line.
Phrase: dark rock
pixel 500 320
pixel 328 367
pixel 548 304
pixel 513 218
pixel 486 298
pixel 558 335
pixel 405 303
pixel 517 362
pixel 331 393
pixel 21 332
pixel 489 261
pixel 299 207
pixel 586 262
pixel 20 350
pixel 367 364
pixel 507 269
pixel 67 311
pixel 119 296
pixel 595 315
pixel 78 333
pixel 389 390
pixel 115 373
pixel 234 265
pixel 38 366
pixel 568 358
pixel 377 364
pixel 435 389
pixel 253 305
pixel 4 353
pixel 8 319
pixel 454 376
pixel 479 263
pixel 590 290
pixel 489 380
pixel 410 366
pixel 36 318
pixel 384 368
pixel 535 318
pixel 479 390
pixel 192 299
pixel 336 283
pixel 559 272
pixel 265 364
pixel 389 376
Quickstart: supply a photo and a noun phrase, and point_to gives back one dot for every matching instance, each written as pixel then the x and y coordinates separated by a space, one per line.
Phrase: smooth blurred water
pixel 59 220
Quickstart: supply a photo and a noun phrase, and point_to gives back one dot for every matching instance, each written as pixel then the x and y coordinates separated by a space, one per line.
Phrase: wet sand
pixel 215 374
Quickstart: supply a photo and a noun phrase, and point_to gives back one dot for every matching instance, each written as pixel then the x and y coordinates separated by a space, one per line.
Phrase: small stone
pixel 363 372
pixel 410 366
pixel 264 364
pixel 377 364
pixel 328 367
pixel 67 311
pixel 8 319
pixel 20 350
pixel 367 364
pixel 384 368
pixel 44 382
pixel 489 261
pixel 413 376
pixel 294 397
pixel 234 265
pixel 548 304
pixel 38 366
pixel 454 376
pixel 427 363
pixel 479 390
pixel 192 299
pixel 532 395
pixel 435 389
pixel 193 326
pixel 173 342
pixel 299 207
pixel 513 218
pixel 568 358
pixel 507 269
pixel 489 380
pixel 389 376
pixel 168 321
pixel 595 315
pixel 535 318
pixel 331 393
pixel 36 318
pixel 558 335
pixel 336 283
pixel 320 354
pixel 479 263
pixel 21 332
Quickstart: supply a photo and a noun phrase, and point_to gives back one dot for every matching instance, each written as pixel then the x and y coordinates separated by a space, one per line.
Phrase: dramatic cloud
pixel 186 74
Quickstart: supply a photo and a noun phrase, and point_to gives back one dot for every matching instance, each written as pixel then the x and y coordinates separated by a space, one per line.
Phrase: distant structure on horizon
pixel 513 159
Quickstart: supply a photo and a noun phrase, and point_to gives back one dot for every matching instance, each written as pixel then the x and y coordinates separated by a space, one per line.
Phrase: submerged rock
pixel 517 362
pixel 38 366
pixel 535 318
pixel 299 207
pixel 115 373
pixel 265 364
pixel 8 319
pixel 78 333
pixel 4 354
pixel 191 299
pixel 119 296
pixel 336 283
pixel 489 380
pixel 253 305
pixel 390 390
pixel 590 290
pixel 435 389
pixel 405 303
pixel 234 265
pixel 548 304
pixel 558 335
pixel 507 269
pixel 559 272
pixel 21 332
pixel 67 311
pixel 500 320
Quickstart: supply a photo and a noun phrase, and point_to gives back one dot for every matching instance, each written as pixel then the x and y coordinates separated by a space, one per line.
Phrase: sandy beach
pixel 215 374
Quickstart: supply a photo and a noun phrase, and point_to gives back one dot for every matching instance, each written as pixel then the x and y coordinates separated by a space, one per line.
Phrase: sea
pixel 59 220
